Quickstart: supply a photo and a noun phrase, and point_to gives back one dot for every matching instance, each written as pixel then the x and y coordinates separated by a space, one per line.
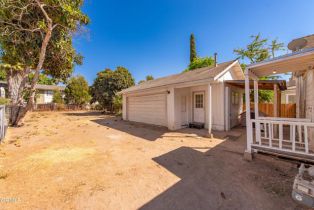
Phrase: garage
pixel 151 109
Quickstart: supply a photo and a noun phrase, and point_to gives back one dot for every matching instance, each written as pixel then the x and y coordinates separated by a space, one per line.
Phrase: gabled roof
pixel 201 74
pixel 49 87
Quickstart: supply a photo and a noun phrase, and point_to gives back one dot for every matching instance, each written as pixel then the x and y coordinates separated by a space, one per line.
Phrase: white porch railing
pixel 287 135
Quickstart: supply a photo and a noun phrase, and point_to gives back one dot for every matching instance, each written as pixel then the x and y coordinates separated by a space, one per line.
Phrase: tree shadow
pixel 141 130
pixel 84 114
pixel 218 179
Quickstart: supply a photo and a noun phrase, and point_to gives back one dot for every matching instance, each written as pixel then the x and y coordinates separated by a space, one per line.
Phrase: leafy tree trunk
pixel 42 55
pixel 16 85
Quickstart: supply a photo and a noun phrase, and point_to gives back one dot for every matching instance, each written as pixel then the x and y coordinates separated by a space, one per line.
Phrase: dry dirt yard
pixel 85 160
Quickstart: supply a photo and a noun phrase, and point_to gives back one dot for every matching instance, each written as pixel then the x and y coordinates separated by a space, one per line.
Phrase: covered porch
pixel 293 137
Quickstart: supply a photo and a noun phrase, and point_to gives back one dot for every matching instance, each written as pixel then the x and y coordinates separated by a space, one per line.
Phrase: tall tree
pixel 43 79
pixel 108 83
pixel 147 78
pixel 77 91
pixel 193 54
pixel 276 46
pixel 256 51
pixel 200 63
pixel 36 37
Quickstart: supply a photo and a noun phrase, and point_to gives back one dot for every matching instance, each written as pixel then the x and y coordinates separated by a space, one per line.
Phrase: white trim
pixel 210 114
pixel 249 128
pixel 226 70
pixel 171 109
pixel 227 108
pixel 175 85
pixel 285 119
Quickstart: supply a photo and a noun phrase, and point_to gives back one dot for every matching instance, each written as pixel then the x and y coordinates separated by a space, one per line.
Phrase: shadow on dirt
pixel 86 114
pixel 212 180
pixel 144 131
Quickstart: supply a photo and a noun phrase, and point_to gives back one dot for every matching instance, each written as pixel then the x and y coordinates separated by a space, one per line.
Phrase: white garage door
pixel 151 109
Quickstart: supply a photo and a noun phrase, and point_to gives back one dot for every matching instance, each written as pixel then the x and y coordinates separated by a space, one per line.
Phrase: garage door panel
pixel 149 109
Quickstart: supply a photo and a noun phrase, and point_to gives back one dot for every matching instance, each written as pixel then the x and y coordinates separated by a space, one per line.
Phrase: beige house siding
pixel 288 96
pixel 310 95
pixel 305 100
pixel 219 105
pixel 40 97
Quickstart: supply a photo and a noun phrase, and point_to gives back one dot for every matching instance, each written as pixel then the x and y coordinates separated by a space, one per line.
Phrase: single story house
pixel 289 96
pixel 200 96
pixel 44 93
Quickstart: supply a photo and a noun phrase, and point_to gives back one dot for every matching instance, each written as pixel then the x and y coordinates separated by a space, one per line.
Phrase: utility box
pixel 303 186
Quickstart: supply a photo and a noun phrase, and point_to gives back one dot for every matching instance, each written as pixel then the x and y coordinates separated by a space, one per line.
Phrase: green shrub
pixel 4 101
pixel 57 97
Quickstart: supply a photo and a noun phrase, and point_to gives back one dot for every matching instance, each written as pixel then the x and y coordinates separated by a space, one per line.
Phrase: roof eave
pixel 282 58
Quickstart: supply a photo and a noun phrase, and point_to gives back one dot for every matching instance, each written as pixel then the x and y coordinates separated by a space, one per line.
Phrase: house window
pixel 49 92
pixel 199 101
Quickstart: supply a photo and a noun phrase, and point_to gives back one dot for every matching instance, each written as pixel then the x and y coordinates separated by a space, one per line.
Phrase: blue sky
pixel 152 37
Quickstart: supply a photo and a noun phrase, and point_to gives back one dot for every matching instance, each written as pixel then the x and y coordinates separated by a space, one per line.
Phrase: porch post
pixel 256 99
pixel 276 114
pixel 210 110
pixel 249 134
pixel 171 109
pixel 227 108
pixel 256 112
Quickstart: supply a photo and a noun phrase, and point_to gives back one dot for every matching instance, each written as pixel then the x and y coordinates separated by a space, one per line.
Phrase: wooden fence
pixel 58 107
pixel 287 110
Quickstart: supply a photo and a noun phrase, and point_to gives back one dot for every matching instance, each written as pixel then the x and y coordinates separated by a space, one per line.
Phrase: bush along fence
pixel 59 107
pixel 287 110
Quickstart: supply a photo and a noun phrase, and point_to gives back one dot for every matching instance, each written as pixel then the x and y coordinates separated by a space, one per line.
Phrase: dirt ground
pixel 85 160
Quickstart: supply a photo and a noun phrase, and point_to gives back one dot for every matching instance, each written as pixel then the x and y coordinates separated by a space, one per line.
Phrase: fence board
pixel 58 107
pixel 287 110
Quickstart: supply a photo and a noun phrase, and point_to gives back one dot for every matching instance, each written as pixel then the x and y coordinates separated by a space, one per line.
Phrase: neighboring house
pixel 201 96
pixel 289 96
pixel 44 93
pixel 293 137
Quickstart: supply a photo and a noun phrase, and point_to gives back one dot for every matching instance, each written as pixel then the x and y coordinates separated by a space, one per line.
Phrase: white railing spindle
pixel 280 135
pixel 306 140
pixel 298 132
pixel 293 137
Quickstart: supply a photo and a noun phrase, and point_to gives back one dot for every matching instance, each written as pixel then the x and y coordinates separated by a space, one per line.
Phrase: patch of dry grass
pixel 3 175
pixel 62 155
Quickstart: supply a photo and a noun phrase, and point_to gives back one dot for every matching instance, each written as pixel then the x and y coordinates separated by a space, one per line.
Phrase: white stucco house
pixel 201 96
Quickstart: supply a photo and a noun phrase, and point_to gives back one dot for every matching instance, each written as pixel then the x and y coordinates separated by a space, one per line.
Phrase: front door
pixel 235 107
pixel 184 113
pixel 199 107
